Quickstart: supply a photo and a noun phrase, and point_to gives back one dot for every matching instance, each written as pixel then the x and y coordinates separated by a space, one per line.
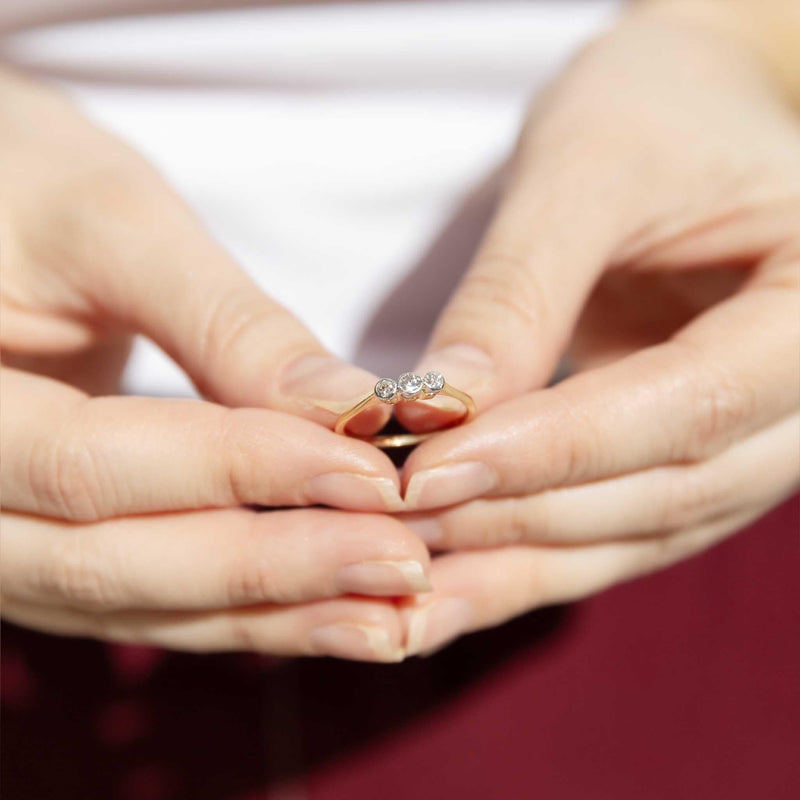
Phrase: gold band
pixel 406 439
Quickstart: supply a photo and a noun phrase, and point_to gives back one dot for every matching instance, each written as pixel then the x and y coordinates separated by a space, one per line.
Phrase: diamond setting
pixel 433 382
pixel 410 385
pixel 386 389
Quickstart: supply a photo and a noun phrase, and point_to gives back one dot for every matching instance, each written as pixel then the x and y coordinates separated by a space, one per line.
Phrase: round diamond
pixel 410 385
pixel 434 381
pixel 385 389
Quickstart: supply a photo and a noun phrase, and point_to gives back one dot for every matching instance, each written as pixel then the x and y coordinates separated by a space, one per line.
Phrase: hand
pixel 122 515
pixel 652 226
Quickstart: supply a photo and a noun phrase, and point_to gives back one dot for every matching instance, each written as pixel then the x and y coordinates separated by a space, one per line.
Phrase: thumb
pixel 101 243
pixel 505 328
pixel 164 276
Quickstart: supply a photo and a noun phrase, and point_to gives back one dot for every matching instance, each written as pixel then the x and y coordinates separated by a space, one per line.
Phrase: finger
pixel 352 628
pixel 746 237
pixel 240 347
pixel 79 458
pixel 730 372
pixel 762 470
pixel 134 255
pixel 209 559
pixel 507 325
pixel 484 588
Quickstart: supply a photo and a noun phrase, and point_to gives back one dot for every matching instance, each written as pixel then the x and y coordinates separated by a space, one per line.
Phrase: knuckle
pixel 252 582
pixel 237 463
pixel 691 496
pixel 252 579
pixel 245 633
pixel 573 454
pixel 228 321
pixel 240 321
pixel 74 574
pixel 573 457
pixel 516 523
pixel 721 405
pixel 505 281
pixel 65 479
pixel 236 459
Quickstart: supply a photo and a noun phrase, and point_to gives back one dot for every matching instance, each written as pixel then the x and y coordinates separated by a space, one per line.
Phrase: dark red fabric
pixel 682 685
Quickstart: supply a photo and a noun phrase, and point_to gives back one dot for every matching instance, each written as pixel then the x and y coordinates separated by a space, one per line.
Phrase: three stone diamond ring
pixel 408 387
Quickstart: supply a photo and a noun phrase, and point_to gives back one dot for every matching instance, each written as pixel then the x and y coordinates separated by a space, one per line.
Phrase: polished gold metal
pixel 390 440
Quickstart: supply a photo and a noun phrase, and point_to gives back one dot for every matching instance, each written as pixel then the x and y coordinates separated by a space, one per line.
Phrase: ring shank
pixel 406 439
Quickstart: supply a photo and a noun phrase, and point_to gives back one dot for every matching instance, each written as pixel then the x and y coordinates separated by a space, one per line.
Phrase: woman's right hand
pixel 130 518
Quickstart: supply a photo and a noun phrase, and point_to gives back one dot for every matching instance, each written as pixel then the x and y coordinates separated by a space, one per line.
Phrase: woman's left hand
pixel 652 228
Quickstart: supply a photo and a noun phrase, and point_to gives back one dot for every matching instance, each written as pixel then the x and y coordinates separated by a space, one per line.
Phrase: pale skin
pixel 122 516
pixel 650 229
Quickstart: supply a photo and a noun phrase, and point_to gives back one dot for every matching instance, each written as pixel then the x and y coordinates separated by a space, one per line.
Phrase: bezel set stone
pixel 433 381
pixel 410 386
pixel 386 389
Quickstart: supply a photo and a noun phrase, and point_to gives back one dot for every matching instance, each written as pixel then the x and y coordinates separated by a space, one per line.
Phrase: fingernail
pixel 355 492
pixel 358 642
pixel 444 486
pixel 430 627
pixel 383 578
pixel 326 382
pixel 429 530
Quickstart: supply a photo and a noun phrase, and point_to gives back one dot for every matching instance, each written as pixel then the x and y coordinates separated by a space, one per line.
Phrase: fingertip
pixel 429 416
pixel 432 625
pixel 324 387
pixel 376 537
pixel 383 578
pixel 354 492
pixel 449 484
pixel 354 628
pixel 464 367
pixel 354 643
pixel 428 528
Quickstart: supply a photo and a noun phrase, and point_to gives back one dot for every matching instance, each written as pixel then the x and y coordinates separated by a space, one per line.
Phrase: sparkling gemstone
pixel 385 388
pixel 434 381
pixel 410 385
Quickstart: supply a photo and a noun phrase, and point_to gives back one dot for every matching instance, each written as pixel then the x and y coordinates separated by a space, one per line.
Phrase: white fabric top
pixel 330 148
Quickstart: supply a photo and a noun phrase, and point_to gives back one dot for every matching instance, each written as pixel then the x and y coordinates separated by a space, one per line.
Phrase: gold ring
pixel 407 388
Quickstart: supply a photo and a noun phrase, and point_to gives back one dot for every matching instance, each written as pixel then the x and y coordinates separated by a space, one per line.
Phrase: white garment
pixel 325 146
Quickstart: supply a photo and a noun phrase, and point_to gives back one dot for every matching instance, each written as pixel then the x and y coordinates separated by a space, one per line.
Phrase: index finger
pixel 732 371
pixel 79 458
